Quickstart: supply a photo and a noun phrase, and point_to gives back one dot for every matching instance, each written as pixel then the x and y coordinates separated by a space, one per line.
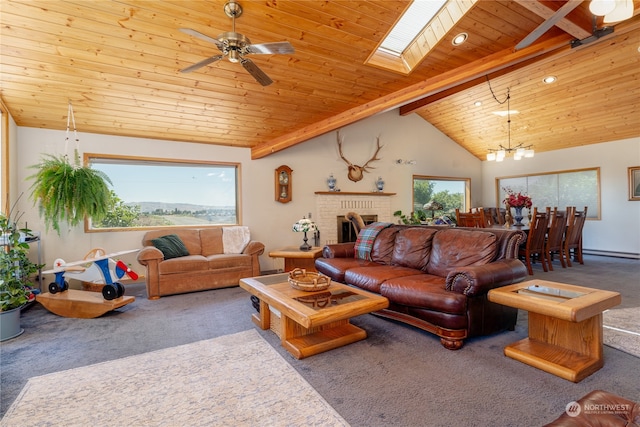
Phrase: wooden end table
pixel 311 322
pixel 295 258
pixel 565 326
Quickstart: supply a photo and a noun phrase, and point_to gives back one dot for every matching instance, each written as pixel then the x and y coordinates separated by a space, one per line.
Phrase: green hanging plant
pixel 69 192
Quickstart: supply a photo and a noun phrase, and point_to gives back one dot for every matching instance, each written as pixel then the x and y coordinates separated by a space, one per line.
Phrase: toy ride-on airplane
pixel 97 267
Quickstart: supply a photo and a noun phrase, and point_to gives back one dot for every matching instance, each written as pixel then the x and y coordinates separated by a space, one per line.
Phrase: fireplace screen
pixel 346 231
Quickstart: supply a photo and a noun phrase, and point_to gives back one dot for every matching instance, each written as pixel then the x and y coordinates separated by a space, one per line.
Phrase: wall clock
pixel 283 184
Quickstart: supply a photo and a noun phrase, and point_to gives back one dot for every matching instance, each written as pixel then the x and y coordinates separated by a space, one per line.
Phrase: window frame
pixel 467 188
pixel 90 158
pixel 590 216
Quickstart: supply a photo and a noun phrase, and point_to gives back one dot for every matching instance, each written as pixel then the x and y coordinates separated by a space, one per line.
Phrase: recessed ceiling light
pixel 459 39
pixel 549 79
pixel 477 103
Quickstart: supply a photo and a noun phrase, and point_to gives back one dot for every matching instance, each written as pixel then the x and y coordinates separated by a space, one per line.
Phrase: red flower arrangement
pixel 517 200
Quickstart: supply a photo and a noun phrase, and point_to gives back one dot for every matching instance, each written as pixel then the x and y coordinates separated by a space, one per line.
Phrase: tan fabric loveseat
pixel 206 267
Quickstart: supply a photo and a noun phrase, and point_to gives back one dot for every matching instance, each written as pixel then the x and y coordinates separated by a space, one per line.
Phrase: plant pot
pixel 10 324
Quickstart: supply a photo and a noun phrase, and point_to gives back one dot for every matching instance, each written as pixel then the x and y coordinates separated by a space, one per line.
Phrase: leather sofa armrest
pixel 149 254
pixel 254 248
pixel 339 250
pixel 479 279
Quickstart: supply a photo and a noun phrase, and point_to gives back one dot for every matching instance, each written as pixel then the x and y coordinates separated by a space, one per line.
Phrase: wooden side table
pixel 565 326
pixel 295 258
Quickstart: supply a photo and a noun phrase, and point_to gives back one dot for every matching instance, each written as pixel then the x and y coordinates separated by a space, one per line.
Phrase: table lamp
pixel 304 225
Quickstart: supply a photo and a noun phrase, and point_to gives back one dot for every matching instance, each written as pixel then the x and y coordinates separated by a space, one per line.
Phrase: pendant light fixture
pixel 519 151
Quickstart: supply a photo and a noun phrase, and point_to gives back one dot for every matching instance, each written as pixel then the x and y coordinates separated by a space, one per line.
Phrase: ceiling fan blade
pixel 202 63
pixel 276 47
pixel 256 72
pixel 201 36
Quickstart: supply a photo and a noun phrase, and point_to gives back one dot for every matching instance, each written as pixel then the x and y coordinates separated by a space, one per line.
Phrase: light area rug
pixel 233 380
pixel 622 329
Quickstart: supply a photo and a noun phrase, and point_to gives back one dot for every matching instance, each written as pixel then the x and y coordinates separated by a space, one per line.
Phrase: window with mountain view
pixel 156 193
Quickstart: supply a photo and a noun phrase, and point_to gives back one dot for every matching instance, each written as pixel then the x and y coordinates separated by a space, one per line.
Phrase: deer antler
pixel 355 172
pixel 364 167
pixel 340 150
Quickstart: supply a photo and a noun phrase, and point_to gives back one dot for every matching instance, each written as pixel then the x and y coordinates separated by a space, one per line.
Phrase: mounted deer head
pixel 356 172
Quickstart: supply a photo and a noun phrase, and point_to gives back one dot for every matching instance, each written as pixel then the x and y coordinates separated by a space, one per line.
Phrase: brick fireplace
pixel 333 204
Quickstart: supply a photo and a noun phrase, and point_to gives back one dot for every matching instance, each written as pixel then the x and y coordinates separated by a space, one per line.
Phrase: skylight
pixel 416 17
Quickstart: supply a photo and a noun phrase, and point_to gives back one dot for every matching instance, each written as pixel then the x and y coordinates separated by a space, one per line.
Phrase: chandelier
pixel 519 151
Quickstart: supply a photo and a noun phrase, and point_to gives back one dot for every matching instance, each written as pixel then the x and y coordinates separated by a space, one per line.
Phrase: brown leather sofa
pixel 435 278
pixel 206 266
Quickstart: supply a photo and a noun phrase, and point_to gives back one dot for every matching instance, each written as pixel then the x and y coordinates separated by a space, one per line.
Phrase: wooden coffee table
pixel 565 326
pixel 311 322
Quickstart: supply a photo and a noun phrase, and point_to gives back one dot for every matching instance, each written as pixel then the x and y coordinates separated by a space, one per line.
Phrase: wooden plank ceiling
pixel 118 63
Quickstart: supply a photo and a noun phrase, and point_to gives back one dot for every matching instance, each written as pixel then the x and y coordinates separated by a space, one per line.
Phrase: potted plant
pixel 69 192
pixel 16 271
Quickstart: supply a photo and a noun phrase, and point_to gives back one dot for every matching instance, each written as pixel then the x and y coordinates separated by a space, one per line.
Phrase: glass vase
pixel 518 215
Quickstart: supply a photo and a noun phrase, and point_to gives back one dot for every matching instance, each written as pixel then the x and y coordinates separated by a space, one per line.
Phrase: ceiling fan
pixel 235 46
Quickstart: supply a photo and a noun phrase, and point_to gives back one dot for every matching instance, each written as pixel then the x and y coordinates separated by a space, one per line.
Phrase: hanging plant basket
pixel 67 191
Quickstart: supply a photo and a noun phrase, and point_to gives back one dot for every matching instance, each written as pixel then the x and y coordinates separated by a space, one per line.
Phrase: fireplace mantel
pixel 353 193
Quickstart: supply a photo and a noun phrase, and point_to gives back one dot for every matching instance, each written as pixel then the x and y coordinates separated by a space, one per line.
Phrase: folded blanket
pixel 235 239
pixel 366 237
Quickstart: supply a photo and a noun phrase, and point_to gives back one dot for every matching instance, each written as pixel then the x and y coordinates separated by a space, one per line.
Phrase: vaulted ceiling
pixel 119 62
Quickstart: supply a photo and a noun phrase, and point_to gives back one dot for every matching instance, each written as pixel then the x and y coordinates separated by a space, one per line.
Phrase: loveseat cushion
pixel 211 241
pixel 413 247
pixel 452 248
pixel 221 261
pixel 371 277
pixel 185 264
pixel 171 246
pixel 424 291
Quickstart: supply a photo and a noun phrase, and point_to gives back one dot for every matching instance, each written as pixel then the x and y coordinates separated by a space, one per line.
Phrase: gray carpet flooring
pixel 398 376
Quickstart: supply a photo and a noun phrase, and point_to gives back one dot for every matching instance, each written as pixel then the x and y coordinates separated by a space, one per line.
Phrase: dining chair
pixel 491 216
pixel 555 237
pixel 471 219
pixel 573 236
pixel 534 247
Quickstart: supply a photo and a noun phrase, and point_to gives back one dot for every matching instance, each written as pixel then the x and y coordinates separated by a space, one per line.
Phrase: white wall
pixel 618 229
pixel 407 138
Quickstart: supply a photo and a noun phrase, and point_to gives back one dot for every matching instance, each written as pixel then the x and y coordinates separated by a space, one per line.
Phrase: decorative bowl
pixel 310 282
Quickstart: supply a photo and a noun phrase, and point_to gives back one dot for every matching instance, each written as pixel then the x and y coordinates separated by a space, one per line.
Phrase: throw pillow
pixel 171 246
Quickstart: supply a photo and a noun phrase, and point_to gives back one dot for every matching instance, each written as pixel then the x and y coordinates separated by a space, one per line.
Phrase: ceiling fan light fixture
pixel 622 11
pixel 491 156
pixel 529 153
pixel 602 7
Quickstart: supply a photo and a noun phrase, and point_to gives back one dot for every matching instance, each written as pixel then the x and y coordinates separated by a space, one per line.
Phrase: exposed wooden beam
pixel 548 23
pixel 564 24
pixel 460 75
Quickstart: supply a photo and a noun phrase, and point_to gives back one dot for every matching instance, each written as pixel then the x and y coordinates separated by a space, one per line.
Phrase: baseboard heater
pixel 611 253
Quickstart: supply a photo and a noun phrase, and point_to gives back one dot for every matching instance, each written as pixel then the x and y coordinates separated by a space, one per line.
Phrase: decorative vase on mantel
pixel 518 215
pixel 331 183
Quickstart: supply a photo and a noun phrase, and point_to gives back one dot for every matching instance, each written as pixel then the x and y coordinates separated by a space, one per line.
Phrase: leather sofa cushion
pixel 460 248
pixel 336 267
pixel 370 277
pixel 183 264
pixel 221 261
pixel 424 291
pixel 412 248
pixel 211 241
pixel 382 249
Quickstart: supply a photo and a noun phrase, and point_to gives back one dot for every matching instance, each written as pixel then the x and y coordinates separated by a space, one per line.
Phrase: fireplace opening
pixel 346 231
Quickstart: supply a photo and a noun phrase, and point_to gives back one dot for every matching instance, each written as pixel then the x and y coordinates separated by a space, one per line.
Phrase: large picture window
pixel 450 193
pixel 577 188
pixel 149 192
